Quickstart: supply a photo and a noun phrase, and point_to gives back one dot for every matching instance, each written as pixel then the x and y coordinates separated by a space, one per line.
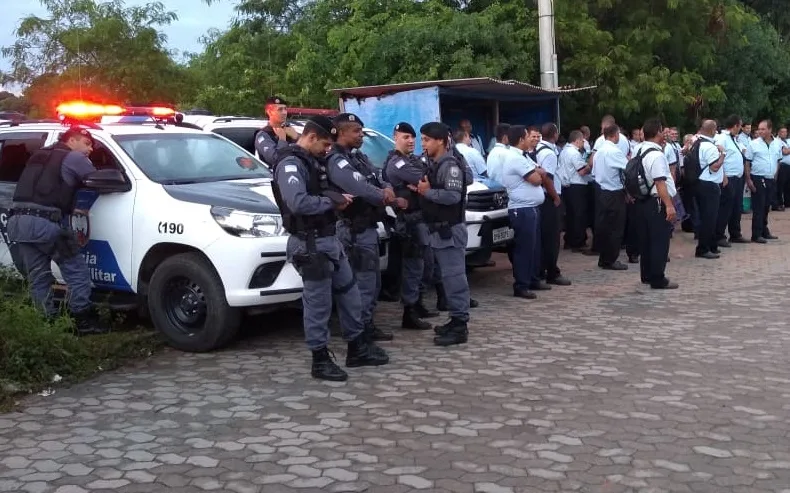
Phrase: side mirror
pixel 107 181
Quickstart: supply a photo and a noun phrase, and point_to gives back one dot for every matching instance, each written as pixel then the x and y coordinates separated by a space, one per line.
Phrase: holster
pixel 444 229
pixel 313 266
pixel 363 259
pixel 66 245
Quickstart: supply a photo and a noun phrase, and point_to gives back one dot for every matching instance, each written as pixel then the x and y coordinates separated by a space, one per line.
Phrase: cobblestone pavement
pixel 646 391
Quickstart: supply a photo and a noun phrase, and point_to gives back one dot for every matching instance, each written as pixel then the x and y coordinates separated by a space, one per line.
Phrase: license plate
pixel 503 234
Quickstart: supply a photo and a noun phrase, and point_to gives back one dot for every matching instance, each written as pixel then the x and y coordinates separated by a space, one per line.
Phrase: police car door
pixel 16 146
pixel 103 224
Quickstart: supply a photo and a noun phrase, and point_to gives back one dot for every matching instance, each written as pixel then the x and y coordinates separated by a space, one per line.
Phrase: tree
pixel 99 50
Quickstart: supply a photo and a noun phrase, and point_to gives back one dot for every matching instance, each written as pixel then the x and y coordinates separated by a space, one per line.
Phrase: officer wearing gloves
pixel 402 168
pixel 277 134
pixel 350 171
pixel 43 200
pixel 302 192
pixel 442 193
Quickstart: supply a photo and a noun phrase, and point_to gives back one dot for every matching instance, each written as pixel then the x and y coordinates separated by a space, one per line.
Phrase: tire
pixel 187 304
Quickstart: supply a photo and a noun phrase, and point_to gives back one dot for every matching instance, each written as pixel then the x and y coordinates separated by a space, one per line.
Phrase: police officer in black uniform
pixel 277 134
pixel 402 168
pixel 38 226
pixel 351 172
pixel 308 206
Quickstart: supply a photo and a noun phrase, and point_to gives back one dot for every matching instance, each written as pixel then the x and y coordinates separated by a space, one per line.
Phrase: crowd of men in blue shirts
pixel 698 184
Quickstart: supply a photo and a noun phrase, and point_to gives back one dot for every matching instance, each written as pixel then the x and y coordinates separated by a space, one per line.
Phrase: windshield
pixel 190 158
pixel 376 147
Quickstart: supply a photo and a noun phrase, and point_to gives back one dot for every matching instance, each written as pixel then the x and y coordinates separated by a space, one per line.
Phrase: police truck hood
pixel 253 195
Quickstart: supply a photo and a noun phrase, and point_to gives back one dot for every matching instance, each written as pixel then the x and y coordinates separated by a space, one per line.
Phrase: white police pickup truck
pixel 180 220
pixel 486 207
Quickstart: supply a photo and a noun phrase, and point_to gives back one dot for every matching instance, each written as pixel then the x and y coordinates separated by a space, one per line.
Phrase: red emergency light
pixel 83 110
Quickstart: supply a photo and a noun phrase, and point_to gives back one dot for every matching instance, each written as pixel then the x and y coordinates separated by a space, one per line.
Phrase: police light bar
pixel 82 110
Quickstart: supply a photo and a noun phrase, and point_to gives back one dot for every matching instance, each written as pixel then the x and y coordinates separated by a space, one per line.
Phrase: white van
pixel 180 220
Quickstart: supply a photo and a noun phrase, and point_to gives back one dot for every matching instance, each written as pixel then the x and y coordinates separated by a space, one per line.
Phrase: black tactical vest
pixel 321 224
pixel 439 213
pixel 41 181
pixel 361 213
pixel 401 189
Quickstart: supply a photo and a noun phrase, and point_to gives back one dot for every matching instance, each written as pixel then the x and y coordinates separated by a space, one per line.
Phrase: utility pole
pixel 548 56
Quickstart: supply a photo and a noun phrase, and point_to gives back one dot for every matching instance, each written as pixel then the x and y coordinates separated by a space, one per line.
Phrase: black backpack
pixel 634 177
pixel 692 168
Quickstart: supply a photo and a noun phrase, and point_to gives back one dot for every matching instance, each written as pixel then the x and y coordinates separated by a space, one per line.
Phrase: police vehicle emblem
pixel 80 224
pixel 500 200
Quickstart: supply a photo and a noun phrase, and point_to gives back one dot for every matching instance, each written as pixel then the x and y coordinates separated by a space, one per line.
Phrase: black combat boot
pixel 411 319
pixel 373 333
pixel 325 368
pixel 441 297
pixel 86 322
pixel 422 310
pixel 364 353
pixel 453 332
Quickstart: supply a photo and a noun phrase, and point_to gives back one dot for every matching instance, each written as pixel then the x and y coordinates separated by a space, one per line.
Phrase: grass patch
pixel 36 354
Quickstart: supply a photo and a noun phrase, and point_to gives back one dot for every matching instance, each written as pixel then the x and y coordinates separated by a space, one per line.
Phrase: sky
pixel 194 19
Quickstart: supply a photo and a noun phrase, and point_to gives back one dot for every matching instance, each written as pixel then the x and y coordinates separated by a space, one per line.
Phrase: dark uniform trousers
pixel 652 231
pixel 730 209
pixel 609 224
pixel 549 239
pixel 593 191
pixel 783 185
pixel 631 236
pixel 708 198
pixel 525 251
pixel 577 207
pixel 761 204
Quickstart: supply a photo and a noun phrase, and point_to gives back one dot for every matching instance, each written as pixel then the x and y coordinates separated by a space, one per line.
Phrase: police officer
pixel 443 192
pixel 351 172
pixel 277 134
pixel 43 200
pixel 403 168
pixel 308 205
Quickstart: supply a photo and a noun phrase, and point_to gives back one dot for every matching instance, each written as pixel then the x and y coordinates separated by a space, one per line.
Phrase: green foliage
pixel 36 353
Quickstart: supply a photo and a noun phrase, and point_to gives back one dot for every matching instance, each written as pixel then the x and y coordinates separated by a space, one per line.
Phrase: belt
pixel 329 230
pixel 54 216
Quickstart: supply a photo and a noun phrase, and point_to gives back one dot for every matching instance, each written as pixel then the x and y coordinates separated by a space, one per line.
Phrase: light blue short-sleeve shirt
pixel 733 157
pixel 762 157
pixel 548 159
pixel 708 156
pixel 609 162
pixel 521 193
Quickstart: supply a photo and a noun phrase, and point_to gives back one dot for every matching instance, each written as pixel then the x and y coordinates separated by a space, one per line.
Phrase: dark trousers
pixel 760 206
pixel 576 208
pixel 631 236
pixel 609 225
pixel 689 200
pixel 525 257
pixel 653 233
pixel 708 195
pixel 549 239
pixel 783 186
pixel 730 209
pixel 593 190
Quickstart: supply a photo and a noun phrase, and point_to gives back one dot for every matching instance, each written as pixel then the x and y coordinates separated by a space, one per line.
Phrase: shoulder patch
pixel 290 168
pixel 358 176
pixel 455 171
pixel 261 137
pixel 342 163
pixel 401 163
pixel 293 179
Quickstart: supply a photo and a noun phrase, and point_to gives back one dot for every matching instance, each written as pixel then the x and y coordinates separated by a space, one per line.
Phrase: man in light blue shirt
pixel 730 205
pixel 476 160
pixel 497 154
pixel 547 158
pixel 573 172
pixel 761 162
pixel 609 162
pixel 783 176
pixel 708 190
pixel 745 135
pixel 523 180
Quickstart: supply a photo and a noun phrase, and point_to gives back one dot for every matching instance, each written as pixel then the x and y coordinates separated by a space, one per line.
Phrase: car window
pixel 189 158
pixel 242 136
pixel 100 156
pixel 376 147
pixel 15 149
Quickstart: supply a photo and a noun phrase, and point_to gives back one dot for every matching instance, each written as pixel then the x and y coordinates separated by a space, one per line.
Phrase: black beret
pixel 435 130
pixel 275 100
pixel 75 131
pixel 347 117
pixel 405 128
pixel 322 125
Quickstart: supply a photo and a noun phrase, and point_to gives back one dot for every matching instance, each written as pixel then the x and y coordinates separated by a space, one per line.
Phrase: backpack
pixel 692 169
pixel 634 177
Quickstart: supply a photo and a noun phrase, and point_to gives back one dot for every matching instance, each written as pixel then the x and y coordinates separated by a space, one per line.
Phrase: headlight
pixel 248 224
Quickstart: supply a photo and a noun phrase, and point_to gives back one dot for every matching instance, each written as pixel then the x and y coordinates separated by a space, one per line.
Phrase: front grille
pixel 486 200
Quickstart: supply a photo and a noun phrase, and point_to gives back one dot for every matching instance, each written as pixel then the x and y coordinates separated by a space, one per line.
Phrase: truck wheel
pixel 188 306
